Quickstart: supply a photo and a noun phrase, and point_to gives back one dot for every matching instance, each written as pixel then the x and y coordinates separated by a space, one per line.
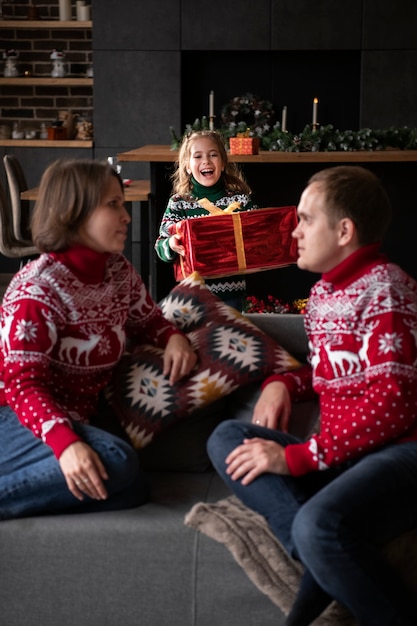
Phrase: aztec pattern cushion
pixel 232 352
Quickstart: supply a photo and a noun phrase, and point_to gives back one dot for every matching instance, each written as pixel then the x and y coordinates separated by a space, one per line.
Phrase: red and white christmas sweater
pixel 65 319
pixel 361 322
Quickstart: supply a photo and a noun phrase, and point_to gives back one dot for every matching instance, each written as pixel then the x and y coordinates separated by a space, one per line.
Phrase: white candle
pixel 79 4
pixel 315 105
pixel 284 120
pixel 84 13
pixel 211 110
pixel 65 10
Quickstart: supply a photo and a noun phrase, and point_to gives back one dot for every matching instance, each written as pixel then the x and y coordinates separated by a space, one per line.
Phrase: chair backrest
pixel 9 245
pixel 20 208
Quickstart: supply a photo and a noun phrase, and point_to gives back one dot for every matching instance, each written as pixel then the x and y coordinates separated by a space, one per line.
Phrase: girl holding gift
pixel 203 172
pixel 65 319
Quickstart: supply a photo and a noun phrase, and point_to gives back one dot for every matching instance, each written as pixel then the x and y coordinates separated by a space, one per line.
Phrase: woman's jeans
pixel 336 521
pixel 32 482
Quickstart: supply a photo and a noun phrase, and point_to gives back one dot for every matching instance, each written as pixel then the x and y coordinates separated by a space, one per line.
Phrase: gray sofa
pixel 141 567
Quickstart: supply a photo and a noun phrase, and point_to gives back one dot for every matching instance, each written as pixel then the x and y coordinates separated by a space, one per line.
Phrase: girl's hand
pixel 179 358
pixel 176 245
pixel 273 407
pixel 83 471
pixel 255 457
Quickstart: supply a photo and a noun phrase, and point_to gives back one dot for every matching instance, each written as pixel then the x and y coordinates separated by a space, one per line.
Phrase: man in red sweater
pixel 336 498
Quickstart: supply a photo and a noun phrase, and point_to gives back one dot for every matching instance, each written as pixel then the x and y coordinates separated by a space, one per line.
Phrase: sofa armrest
pixel 286 329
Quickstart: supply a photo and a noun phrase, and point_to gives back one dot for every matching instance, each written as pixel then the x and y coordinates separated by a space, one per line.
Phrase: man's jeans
pixel 31 480
pixel 335 521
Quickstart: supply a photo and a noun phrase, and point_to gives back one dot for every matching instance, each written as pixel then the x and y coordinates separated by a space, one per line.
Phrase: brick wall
pixel 32 104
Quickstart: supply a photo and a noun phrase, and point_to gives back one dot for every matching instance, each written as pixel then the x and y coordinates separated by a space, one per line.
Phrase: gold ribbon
pixel 214 210
pixel 237 230
pixel 237 227
pixel 240 247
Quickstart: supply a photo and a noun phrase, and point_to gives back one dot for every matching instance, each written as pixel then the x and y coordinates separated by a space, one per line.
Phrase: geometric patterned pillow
pixel 232 352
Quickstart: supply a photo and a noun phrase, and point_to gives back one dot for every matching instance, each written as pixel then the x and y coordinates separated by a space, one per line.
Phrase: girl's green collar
pixel 213 193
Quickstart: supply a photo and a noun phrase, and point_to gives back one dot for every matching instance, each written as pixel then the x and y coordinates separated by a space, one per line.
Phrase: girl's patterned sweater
pixel 361 322
pixel 65 319
pixel 179 209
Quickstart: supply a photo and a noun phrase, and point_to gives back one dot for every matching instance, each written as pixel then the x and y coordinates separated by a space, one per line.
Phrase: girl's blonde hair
pixel 69 192
pixel 181 181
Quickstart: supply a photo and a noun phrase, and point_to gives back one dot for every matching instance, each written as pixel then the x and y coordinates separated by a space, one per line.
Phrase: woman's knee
pixel 119 457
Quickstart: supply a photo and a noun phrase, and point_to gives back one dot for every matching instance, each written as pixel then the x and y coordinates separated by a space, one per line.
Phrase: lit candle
pixel 284 120
pixel 211 110
pixel 315 105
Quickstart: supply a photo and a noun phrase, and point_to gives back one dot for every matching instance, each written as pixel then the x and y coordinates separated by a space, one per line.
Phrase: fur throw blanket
pixel 248 537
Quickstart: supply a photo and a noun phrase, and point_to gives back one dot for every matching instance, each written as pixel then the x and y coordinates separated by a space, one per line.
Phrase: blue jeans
pixel 32 483
pixel 336 521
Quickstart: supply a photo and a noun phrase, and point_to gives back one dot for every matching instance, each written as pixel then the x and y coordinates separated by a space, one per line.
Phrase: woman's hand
pixel 273 408
pixel 83 471
pixel 179 358
pixel 255 457
pixel 176 245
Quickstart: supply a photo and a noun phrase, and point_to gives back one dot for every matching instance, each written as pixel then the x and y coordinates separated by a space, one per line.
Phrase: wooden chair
pixel 10 246
pixel 20 208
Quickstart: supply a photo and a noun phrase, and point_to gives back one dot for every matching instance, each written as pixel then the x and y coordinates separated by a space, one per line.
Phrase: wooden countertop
pixel 137 191
pixel 161 153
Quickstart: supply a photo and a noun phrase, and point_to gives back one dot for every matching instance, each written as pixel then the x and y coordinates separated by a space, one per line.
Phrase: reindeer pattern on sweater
pixel 62 337
pixel 363 356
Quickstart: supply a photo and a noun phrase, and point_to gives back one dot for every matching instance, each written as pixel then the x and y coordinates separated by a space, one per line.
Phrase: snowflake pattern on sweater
pixel 63 336
pixel 363 363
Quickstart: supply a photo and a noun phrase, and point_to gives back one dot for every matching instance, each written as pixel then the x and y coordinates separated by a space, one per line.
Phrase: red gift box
pixel 237 243
pixel 244 145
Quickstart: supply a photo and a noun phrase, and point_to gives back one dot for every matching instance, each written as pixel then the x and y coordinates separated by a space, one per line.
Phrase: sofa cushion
pixel 232 352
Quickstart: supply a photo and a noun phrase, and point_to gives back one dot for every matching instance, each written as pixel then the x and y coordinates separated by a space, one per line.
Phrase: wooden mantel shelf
pixel 34 80
pixel 47 143
pixel 45 24
pixel 160 153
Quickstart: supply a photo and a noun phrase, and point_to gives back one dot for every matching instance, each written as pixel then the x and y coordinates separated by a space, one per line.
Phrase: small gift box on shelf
pixel 244 145
pixel 237 243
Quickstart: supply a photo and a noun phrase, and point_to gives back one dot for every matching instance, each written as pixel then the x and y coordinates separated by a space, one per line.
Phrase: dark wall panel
pixel 223 25
pixel 137 97
pixel 389 88
pixel 390 25
pixel 316 25
pixel 136 25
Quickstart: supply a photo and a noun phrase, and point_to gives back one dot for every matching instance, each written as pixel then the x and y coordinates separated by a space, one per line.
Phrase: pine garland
pixel 323 139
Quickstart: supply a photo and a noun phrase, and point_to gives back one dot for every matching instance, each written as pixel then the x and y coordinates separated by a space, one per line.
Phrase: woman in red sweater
pixel 65 320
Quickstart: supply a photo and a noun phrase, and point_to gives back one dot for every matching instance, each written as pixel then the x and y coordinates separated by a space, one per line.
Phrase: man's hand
pixel 273 408
pixel 255 457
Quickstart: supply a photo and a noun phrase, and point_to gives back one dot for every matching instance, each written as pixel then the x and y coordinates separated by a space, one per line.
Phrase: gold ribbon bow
pixel 237 227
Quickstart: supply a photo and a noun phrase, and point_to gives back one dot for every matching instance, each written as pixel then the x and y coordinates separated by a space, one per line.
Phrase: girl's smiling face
pixel 205 163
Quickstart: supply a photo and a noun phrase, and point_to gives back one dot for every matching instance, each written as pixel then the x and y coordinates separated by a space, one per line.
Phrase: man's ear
pixel 347 231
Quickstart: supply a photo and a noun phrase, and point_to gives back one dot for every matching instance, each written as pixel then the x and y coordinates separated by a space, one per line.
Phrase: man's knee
pixel 313 528
pixel 225 437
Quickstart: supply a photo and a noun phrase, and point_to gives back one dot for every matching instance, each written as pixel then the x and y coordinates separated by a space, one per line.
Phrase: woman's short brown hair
pixel 357 193
pixel 69 192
